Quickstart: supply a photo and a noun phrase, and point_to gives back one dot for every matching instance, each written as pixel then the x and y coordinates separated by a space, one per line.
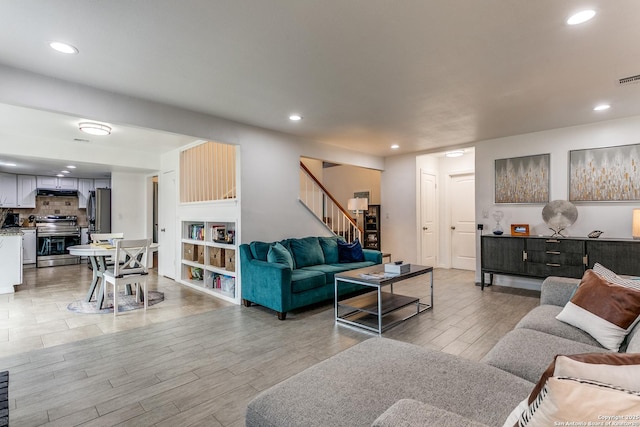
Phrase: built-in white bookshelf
pixel 209 258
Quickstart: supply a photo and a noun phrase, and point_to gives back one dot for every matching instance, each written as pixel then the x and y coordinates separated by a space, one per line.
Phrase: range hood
pixel 50 192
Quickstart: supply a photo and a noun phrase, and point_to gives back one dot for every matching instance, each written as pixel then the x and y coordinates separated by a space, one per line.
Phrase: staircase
pixel 326 208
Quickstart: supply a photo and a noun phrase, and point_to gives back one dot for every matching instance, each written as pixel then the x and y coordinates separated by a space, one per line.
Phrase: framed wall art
pixel 522 179
pixel 605 174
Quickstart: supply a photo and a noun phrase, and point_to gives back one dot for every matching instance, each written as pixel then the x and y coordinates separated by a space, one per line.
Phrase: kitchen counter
pixel 10 232
pixel 10 259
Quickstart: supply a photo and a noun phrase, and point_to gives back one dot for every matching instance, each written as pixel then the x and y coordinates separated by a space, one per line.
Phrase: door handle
pixel 453 227
pixel 425 228
pixel 162 229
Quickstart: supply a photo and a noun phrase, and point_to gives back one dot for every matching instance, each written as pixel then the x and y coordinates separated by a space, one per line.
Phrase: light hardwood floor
pixel 193 360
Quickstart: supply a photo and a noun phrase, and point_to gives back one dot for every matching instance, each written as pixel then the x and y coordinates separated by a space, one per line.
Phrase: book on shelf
pixel 196 231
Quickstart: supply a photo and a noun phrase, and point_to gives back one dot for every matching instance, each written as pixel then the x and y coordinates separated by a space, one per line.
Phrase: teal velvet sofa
pixel 281 288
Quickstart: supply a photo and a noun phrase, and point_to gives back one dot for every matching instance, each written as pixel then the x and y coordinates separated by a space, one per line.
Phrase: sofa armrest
pixel 372 255
pixel 409 412
pixel 558 290
pixel 265 283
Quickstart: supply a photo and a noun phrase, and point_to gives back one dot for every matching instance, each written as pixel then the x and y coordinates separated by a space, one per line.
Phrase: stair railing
pixel 317 199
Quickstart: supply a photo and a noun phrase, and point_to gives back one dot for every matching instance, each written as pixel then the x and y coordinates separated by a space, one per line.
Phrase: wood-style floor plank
pixel 204 362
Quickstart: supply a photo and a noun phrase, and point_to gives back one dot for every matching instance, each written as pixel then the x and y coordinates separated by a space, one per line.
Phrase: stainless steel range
pixel 55 233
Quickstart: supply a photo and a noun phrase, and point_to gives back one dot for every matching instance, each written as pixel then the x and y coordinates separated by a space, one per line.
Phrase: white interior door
pixel 463 233
pixel 428 236
pixel 167 225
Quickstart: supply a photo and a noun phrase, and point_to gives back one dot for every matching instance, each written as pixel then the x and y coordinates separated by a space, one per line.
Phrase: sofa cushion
pixel 279 254
pixel 329 247
pixel 543 319
pixel 350 252
pixel 306 251
pixel 409 412
pixel 354 265
pixel 304 280
pixel 604 310
pixel 259 250
pixel 633 340
pixel 527 353
pixel 331 270
pixel 356 386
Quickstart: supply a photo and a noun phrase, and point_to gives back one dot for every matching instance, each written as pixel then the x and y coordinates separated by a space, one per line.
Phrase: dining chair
pixel 106 238
pixel 134 270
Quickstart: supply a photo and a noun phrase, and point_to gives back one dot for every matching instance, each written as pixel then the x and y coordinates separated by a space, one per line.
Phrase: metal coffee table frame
pixel 377 303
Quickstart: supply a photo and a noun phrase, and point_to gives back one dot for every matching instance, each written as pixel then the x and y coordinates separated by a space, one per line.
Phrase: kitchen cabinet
pixel 57 183
pixel 10 261
pixel 29 246
pixel 102 183
pixel 26 191
pixel 8 190
pixel 85 185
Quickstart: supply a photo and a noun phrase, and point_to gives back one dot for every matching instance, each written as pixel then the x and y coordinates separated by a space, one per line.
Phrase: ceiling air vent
pixel 629 80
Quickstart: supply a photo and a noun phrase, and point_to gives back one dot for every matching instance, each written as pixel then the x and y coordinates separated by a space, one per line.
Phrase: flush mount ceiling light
pixel 70 167
pixel 295 117
pixel 395 146
pixel 94 128
pixel 59 175
pixel 581 17
pixel 65 171
pixel 454 153
pixel 601 107
pixel 63 48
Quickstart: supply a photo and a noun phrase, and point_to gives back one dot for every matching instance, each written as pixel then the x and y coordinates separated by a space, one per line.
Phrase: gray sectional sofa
pixel 383 383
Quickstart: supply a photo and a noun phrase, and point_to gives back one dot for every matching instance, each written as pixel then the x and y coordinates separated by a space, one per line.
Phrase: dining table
pixel 98 254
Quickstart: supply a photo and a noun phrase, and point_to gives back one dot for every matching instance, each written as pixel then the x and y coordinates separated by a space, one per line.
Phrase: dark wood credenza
pixel 540 257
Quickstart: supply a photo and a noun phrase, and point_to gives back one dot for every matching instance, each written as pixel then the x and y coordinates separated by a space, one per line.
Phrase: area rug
pixel 125 303
pixel 4 399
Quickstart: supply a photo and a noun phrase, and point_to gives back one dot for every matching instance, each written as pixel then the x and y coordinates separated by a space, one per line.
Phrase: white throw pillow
pixel 581 402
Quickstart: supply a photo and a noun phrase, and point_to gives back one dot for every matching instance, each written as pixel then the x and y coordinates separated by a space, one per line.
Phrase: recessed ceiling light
pixel 395 146
pixel 601 107
pixel 63 48
pixel 295 117
pixel 65 171
pixel 70 167
pixel 60 175
pixel 94 128
pixel 454 153
pixel 581 17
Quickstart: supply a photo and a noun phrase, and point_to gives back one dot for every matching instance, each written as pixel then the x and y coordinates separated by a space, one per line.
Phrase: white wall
pixel 342 181
pixel 614 218
pixel 398 196
pixel 129 208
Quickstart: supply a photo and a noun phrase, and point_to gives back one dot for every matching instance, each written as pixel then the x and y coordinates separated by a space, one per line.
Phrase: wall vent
pixel 629 80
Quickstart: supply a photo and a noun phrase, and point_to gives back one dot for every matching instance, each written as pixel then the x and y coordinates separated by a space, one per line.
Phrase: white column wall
pixel 130 212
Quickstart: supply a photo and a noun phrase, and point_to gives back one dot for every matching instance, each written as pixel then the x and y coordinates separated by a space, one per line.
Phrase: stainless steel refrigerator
pixel 99 210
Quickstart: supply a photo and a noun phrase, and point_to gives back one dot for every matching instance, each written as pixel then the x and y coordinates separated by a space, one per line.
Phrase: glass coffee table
pixel 376 311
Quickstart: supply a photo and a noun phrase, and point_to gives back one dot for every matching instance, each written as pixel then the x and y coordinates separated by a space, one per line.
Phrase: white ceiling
pixel 365 74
